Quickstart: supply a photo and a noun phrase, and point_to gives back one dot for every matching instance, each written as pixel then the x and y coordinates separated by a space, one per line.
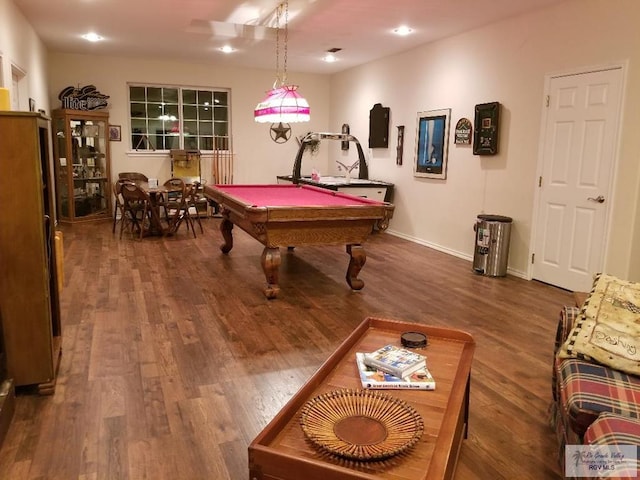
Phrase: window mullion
pixel 181 126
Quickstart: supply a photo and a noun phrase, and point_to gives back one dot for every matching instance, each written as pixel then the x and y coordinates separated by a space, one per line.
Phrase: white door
pixel 580 140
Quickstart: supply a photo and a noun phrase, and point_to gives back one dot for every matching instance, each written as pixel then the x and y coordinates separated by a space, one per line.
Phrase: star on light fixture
pixel 280 133
pixel 283 104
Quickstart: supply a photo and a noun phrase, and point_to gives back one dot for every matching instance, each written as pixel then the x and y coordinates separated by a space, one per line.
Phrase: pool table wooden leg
pixel 356 262
pixel 270 264
pixel 225 228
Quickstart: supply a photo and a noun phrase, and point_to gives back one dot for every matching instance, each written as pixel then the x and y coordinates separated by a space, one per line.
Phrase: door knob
pixel 599 199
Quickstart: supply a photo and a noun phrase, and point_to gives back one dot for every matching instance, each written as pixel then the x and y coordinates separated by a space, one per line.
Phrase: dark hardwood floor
pixel 173 360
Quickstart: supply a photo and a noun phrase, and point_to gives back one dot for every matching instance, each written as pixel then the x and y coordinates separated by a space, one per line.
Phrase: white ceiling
pixel 193 30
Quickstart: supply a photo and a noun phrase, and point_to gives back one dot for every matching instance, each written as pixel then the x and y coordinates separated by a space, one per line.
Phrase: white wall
pixel 20 47
pixel 505 62
pixel 258 159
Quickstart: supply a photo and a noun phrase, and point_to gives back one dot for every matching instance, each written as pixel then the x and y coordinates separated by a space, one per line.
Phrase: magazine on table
pixel 373 378
pixel 395 360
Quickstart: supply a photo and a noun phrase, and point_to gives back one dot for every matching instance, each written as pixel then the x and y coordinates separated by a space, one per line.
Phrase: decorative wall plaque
pixel 379 126
pixel 400 147
pixel 487 123
pixel 463 132
pixel 85 98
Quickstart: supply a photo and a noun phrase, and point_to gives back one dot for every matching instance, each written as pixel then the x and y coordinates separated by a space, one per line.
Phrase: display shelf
pixel 81 149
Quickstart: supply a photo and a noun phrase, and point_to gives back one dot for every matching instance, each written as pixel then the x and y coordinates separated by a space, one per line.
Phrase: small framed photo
pixel 115 133
pixel 432 144
pixel 32 105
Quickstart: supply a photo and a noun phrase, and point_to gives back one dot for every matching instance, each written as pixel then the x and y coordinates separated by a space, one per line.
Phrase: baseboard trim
pixel 449 251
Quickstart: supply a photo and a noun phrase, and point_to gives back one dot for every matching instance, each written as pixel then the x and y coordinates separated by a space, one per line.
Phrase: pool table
pixel 297 215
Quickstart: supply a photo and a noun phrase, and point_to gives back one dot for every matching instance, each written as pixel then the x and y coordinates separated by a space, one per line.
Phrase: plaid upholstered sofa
pixel 592 404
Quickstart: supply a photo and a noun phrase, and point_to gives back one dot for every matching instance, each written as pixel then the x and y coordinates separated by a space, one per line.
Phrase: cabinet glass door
pixel 89 166
pixel 62 182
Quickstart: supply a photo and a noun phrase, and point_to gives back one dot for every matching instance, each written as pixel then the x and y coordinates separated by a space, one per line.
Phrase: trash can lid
pixel 495 218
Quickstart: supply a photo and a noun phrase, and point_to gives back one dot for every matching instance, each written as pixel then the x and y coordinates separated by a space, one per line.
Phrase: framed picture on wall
pixel 432 144
pixel 115 133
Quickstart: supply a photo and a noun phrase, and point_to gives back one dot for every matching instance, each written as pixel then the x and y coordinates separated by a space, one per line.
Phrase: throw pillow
pixel 608 327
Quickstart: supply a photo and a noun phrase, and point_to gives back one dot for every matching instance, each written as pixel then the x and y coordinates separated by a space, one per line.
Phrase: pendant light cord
pixel 275 85
pixel 286 40
pixel 281 76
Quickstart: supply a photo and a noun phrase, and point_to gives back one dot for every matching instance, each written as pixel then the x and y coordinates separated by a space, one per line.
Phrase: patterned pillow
pixel 608 327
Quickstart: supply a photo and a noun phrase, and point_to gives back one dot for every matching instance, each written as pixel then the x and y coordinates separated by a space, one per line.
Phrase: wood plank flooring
pixel 173 360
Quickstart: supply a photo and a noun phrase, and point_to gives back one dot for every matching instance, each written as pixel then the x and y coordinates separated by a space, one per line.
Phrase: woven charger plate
pixel 361 424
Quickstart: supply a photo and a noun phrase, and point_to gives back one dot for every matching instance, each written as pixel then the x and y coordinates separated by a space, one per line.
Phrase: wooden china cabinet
pixel 82 164
pixel 29 287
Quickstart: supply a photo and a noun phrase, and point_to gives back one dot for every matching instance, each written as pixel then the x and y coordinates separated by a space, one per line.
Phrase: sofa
pixel 595 403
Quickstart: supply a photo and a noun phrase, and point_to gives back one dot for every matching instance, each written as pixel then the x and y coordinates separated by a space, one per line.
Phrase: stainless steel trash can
pixel 491 250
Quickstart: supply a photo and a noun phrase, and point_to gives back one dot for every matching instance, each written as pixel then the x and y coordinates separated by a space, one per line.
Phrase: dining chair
pixel 185 214
pixel 174 203
pixel 197 202
pixel 173 195
pixel 118 207
pixel 137 208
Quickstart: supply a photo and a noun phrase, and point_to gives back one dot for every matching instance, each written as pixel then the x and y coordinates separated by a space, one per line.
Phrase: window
pixel 165 118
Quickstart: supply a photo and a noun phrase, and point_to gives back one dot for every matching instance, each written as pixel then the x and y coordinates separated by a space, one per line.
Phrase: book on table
pixel 395 360
pixel 372 378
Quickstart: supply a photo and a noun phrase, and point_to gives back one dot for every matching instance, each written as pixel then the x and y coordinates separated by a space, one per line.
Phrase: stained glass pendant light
pixel 283 103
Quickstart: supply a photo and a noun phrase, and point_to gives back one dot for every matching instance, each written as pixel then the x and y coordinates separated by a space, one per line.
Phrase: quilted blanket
pixel 607 329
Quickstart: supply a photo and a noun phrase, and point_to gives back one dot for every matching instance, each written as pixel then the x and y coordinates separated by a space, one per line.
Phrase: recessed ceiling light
pixel 330 57
pixel 227 49
pixel 402 30
pixel 92 37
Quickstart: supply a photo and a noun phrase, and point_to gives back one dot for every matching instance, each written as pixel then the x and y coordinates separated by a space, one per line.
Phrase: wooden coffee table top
pixel 281 451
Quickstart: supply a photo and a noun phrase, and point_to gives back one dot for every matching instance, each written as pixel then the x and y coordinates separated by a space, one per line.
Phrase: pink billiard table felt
pixel 291 196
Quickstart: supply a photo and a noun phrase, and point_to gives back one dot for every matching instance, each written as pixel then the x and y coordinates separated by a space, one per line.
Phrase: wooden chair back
pixel 118 205
pixel 174 201
pixel 133 176
pixel 196 202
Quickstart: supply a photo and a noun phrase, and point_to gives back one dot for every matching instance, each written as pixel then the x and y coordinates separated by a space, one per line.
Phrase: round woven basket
pixel 361 424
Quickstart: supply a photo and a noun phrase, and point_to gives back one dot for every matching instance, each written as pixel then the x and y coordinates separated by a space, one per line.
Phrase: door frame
pixel 623 66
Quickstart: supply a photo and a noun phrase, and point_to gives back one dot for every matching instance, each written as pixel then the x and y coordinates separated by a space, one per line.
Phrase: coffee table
pixel 281 451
